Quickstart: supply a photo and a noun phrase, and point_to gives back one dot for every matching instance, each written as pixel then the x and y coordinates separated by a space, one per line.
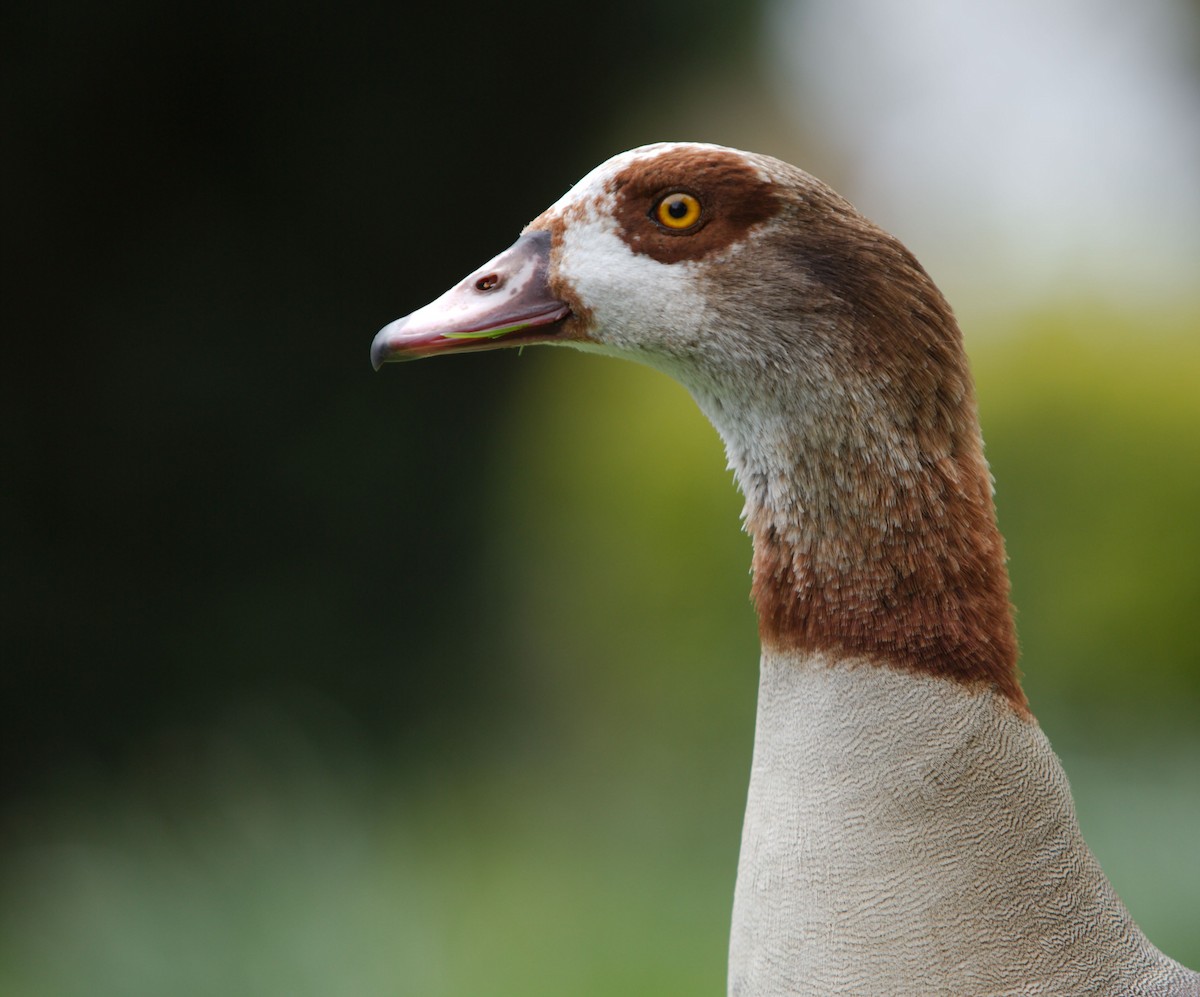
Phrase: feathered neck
pixel 870 503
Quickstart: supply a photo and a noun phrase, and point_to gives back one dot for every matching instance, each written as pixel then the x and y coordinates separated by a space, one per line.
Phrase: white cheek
pixel 639 306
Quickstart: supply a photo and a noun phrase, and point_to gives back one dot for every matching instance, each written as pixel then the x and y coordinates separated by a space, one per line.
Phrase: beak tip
pixel 381 346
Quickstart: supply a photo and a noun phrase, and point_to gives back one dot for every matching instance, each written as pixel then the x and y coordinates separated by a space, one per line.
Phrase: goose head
pixel 751 282
pixel 827 360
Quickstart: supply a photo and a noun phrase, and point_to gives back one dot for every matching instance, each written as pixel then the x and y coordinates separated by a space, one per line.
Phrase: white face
pixel 640 307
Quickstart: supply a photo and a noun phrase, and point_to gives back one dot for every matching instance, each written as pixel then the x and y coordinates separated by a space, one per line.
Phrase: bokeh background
pixel 441 681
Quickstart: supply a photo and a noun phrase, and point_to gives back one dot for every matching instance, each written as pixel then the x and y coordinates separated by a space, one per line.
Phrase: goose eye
pixel 677 211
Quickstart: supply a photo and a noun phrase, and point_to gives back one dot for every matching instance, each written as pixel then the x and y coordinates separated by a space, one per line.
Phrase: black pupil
pixel 677 208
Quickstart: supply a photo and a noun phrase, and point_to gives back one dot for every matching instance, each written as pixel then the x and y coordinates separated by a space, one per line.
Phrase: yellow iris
pixel 677 211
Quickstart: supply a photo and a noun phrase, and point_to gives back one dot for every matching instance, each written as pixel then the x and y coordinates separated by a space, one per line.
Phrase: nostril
pixel 488 282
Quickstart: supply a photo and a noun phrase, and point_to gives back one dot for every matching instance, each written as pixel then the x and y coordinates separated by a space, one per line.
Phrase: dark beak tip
pixel 378 355
pixel 381 346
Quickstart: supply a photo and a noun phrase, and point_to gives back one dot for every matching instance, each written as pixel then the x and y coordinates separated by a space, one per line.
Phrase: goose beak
pixel 506 302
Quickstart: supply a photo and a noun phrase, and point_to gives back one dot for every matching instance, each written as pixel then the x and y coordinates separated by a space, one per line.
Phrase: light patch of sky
pixel 1017 147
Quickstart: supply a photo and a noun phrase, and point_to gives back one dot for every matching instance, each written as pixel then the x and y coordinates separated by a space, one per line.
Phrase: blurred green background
pixel 441 681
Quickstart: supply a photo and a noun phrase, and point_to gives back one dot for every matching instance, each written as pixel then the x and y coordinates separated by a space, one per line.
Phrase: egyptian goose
pixel 908 828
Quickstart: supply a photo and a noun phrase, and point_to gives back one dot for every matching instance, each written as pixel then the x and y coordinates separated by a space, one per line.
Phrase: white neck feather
pixel 907 835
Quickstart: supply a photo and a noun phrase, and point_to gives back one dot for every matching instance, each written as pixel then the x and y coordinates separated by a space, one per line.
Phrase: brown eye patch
pixel 713 197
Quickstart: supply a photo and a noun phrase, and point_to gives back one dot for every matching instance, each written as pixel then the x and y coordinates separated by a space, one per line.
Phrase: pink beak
pixel 507 302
